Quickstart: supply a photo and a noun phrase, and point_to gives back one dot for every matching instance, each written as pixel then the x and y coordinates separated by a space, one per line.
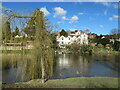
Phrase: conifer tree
pixel 6 31
pixel 16 31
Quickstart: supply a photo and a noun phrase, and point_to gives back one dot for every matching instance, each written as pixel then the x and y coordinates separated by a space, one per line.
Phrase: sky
pixel 98 17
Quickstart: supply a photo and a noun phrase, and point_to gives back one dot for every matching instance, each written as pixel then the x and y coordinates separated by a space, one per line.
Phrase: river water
pixel 65 66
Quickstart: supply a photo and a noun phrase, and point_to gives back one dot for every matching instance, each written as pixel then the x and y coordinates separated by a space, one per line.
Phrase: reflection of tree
pixel 113 66
pixel 5 64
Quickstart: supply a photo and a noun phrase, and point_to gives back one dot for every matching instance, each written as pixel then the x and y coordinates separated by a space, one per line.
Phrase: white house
pixel 17 36
pixel 74 37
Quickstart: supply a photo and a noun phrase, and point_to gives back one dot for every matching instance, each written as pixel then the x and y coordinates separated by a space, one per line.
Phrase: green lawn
pixel 80 82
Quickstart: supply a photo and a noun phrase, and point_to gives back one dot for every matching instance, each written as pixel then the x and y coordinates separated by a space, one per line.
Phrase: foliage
pixel 42 61
pixel 77 48
pixel 16 31
pixel 55 44
pixel 107 45
pixel 74 47
pixel 116 45
pixel 64 33
pixel 6 31
pixel 30 28
pixel 114 31
pixel 100 46
pixel 85 48
pixel 102 41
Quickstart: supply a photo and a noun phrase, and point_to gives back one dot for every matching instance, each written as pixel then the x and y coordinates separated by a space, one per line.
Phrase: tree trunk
pixel 43 69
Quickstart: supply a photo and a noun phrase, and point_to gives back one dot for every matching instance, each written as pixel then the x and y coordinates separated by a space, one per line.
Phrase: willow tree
pixel 42 63
pixel 30 28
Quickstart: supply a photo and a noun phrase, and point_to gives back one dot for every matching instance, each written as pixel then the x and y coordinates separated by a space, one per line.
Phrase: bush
pixel 107 46
pixel 74 47
pixel 116 46
pixel 100 46
pixel 103 41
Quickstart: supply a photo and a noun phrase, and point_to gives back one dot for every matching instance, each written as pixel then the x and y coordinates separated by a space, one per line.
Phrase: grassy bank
pixel 80 82
pixel 103 51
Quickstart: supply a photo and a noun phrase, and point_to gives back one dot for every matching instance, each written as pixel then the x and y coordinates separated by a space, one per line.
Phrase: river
pixel 65 66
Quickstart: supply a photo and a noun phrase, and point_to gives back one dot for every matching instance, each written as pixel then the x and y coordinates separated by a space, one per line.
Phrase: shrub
pixel 116 46
pixel 107 46
pixel 100 46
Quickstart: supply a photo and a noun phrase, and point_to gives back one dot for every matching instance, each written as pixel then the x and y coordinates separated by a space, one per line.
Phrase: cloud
pixel 110 4
pixel 107 4
pixel 101 26
pixel 45 11
pixel 116 5
pixel 60 22
pixel 113 17
pixel 116 16
pixel 81 13
pixel 64 18
pixel 74 19
pixel 110 19
pixel 72 29
pixel 59 12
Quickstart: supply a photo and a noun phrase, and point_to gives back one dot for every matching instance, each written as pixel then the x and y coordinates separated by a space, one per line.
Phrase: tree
pixel 6 31
pixel 116 45
pixel 30 28
pixel 87 30
pixel 43 56
pixel 104 41
pixel 41 65
pixel 115 32
pixel 64 33
pixel 16 31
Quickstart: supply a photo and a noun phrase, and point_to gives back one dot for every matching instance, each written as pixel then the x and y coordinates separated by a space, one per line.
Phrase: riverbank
pixel 94 51
pixel 79 82
pixel 103 51
pixel 16 51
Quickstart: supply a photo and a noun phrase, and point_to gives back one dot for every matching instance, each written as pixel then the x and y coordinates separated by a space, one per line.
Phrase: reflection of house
pixel 74 37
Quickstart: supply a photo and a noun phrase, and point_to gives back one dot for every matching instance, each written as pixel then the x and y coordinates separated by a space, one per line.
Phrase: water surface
pixel 65 66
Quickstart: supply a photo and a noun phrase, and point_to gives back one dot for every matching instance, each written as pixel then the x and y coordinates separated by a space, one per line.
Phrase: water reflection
pixel 85 66
pixel 65 66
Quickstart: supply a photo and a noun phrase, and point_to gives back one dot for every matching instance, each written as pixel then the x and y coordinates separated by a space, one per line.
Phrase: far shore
pixel 98 52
